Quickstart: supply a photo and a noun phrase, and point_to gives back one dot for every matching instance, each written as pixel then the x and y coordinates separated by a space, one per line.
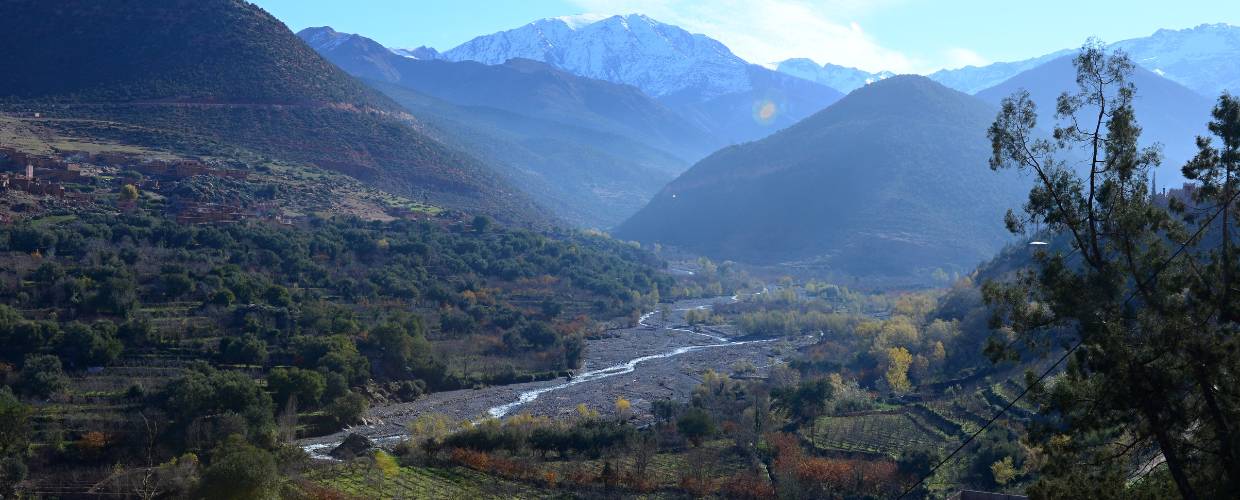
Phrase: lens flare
pixel 765 111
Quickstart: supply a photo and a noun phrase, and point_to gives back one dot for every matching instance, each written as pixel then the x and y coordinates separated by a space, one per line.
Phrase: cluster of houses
pixel 31 184
pixel 47 175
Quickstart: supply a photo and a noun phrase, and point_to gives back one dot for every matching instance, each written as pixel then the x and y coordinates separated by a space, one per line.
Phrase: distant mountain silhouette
pixel 890 180
pixel 1168 112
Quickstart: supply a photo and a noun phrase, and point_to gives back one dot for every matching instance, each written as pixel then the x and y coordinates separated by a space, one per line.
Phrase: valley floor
pixel 658 359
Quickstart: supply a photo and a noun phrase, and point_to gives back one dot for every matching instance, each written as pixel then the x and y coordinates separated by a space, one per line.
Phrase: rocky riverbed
pixel 655 360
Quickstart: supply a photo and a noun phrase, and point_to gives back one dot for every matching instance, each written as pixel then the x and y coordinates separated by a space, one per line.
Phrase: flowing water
pixel 319 450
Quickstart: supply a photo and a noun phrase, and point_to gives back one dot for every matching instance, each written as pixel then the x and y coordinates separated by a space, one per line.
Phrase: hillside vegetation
pixel 224 74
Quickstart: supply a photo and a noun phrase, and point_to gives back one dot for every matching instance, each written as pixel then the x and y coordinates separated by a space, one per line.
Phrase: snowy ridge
pixel 324 38
pixel 658 58
pixel 1203 58
pixel 422 53
pixel 841 78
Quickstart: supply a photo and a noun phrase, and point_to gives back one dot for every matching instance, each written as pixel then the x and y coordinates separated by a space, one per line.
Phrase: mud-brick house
pixel 72 172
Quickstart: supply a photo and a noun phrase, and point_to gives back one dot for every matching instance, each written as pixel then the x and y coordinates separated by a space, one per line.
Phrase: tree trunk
pixel 1174 462
pixel 1220 422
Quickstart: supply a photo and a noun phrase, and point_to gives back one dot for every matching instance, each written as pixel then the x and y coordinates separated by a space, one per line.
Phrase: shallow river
pixel 651 361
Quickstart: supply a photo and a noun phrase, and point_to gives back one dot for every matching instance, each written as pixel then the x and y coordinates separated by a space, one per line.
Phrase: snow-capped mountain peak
pixel 580 20
pixel 661 59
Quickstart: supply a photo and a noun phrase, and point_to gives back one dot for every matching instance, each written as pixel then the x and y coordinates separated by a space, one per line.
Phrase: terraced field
pixel 361 480
pixel 665 469
pixel 940 423
pixel 879 433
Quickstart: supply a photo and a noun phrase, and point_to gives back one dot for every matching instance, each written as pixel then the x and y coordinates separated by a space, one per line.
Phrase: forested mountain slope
pixel 890 180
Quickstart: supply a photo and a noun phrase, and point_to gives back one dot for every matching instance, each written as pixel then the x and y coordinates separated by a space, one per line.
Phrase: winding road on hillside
pixel 654 360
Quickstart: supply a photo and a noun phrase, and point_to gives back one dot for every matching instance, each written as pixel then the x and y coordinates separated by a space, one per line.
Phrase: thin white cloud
pixel 765 31
pixel 959 57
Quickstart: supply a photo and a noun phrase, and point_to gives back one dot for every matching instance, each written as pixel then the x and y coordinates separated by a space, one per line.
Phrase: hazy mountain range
pixel 692 73
pixel 592 150
pixel 841 78
pixel 611 122
pixel 782 198
pixel 871 185
pixel 1202 58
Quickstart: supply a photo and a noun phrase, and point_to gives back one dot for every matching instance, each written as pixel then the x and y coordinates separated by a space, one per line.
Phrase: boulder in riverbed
pixel 353 446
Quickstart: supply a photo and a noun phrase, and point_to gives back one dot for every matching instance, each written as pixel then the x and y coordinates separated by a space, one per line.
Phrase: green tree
pixel 403 343
pixel 86 345
pixel 306 386
pixel 696 425
pixel 14 429
pixel 244 350
pixel 1217 169
pixel 14 439
pixel 240 471
pixel 206 393
pixel 807 401
pixel 481 223
pixel 348 409
pixel 1150 359
pixel 42 375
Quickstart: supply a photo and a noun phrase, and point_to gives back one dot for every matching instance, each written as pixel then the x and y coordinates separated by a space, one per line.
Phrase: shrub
pixel 240 471
pixel 348 409
pixel 42 376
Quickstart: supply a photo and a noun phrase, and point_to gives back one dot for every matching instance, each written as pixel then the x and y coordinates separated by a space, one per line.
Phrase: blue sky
pixel 917 36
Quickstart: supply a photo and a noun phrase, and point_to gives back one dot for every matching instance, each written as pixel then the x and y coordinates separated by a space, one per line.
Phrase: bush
pixel 42 376
pixel 247 350
pixel 696 425
pixel 305 385
pixel 348 409
pixel 84 345
pixel 240 471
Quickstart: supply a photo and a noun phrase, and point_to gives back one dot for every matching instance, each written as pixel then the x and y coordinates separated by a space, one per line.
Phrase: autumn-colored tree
pixel 898 361
pixel 623 408
pixel 1003 471
pixel 129 192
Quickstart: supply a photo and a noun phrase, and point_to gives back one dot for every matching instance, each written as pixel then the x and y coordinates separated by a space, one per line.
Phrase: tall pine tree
pixel 1138 303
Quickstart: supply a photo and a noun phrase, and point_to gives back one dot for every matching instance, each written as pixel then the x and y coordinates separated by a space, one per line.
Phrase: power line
pixel 992 419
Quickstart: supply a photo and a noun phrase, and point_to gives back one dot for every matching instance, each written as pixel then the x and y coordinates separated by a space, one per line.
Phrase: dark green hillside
pixel 211 77
pixel 133 336
pixel 891 180
pixel 383 152
pixel 185 50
